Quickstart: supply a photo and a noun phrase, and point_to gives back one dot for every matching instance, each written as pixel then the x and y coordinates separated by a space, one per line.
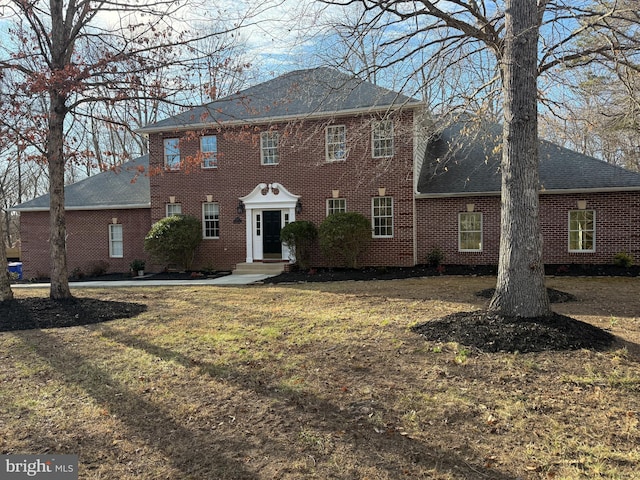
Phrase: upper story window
pixel 382 214
pixel 116 243
pixel 470 232
pixel 269 148
pixel 174 209
pixel 336 205
pixel 582 231
pixel 210 220
pixel 209 150
pixel 336 143
pixel 382 139
pixel 172 154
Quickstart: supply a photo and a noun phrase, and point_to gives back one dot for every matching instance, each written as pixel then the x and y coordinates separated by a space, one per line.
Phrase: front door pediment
pixel 272 195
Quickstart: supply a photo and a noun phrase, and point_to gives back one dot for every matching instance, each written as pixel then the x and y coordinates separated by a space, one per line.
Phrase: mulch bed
pixel 34 312
pixel 490 332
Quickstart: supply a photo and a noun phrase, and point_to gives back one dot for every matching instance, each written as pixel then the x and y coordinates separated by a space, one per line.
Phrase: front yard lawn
pixel 322 380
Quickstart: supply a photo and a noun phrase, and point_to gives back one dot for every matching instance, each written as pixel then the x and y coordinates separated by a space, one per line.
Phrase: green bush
pixel 345 235
pixel 299 237
pixel 435 257
pixel 173 240
pixel 623 259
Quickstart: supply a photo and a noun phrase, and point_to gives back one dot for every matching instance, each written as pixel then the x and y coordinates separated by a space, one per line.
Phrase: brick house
pixel 314 142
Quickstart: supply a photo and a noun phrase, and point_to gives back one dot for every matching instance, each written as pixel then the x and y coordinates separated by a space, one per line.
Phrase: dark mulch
pixel 34 312
pixel 378 273
pixel 490 332
pixel 391 273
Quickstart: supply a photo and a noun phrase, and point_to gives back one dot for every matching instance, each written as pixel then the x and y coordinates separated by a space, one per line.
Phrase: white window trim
pixel 204 228
pixel 329 200
pixel 213 157
pixel 270 134
pixel 166 209
pixel 166 163
pixel 373 139
pixel 373 217
pixel 327 143
pixel 460 249
pixel 592 250
pixel 112 241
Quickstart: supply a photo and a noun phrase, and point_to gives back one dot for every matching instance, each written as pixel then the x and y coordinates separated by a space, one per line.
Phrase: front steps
pixel 268 268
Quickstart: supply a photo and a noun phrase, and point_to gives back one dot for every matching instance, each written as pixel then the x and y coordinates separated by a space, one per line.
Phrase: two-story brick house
pixel 314 142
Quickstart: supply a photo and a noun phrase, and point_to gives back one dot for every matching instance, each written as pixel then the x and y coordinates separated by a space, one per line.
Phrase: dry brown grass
pixel 323 381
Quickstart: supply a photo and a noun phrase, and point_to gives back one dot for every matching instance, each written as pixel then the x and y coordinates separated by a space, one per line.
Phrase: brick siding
pixel 302 170
pixel 617 227
pixel 87 240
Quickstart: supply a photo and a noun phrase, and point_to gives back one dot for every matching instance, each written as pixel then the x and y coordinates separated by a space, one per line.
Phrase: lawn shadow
pixel 319 414
pixel 196 454
pixel 42 312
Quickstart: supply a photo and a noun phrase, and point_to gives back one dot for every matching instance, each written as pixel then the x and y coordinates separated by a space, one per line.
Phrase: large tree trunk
pixel 61 46
pixel 57 227
pixel 5 284
pixel 520 289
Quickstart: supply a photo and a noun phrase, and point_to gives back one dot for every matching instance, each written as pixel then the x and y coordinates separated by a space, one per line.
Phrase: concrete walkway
pixel 240 279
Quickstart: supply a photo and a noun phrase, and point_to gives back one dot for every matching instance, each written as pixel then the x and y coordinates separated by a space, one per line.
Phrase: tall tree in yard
pixel 530 40
pixel 80 52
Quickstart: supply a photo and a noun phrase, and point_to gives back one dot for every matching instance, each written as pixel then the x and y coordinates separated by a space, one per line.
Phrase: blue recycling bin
pixel 15 267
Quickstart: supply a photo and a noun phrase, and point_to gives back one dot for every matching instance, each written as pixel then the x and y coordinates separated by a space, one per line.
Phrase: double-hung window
pixel 336 205
pixel 209 151
pixel 382 139
pixel 336 143
pixel 172 153
pixel 174 209
pixel 116 244
pixel 470 232
pixel 269 148
pixel 382 214
pixel 210 220
pixel 582 231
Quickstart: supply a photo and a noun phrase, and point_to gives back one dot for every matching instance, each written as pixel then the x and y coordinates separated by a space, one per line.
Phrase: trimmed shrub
pixel 623 259
pixel 299 237
pixel 173 240
pixel 435 257
pixel 345 235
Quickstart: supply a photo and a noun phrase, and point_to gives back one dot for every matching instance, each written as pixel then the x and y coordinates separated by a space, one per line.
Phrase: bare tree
pixel 127 41
pixel 529 40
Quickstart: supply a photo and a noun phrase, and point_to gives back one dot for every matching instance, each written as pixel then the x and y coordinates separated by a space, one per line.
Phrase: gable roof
pixel 123 188
pixel 465 160
pixel 301 93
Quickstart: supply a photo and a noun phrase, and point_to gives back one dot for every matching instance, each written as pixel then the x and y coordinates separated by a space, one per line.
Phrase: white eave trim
pixel 542 192
pixel 85 207
pixel 281 119
pixel 457 194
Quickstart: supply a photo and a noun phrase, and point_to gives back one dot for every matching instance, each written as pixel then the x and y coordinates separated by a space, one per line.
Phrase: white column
pixel 249 233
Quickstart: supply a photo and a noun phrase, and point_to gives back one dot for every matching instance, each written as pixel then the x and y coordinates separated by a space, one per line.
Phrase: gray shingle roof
pixel 465 160
pixel 318 91
pixel 125 187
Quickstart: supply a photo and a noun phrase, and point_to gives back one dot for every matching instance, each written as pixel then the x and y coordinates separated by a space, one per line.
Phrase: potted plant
pixel 138 266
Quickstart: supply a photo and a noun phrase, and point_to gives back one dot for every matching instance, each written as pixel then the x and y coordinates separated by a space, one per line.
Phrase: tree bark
pixel 6 293
pixel 520 289
pixel 59 289
pixel 61 45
